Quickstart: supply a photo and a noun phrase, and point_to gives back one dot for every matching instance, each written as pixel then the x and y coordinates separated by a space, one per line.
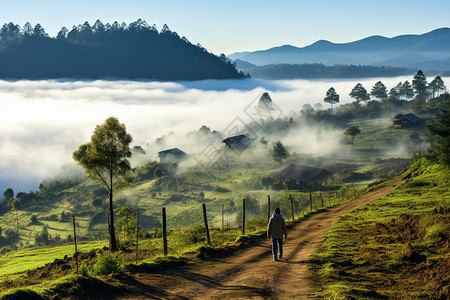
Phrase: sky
pixel 243 25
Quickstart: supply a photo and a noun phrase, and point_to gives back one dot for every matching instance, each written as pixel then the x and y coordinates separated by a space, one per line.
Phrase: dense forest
pixel 134 51
pixel 317 70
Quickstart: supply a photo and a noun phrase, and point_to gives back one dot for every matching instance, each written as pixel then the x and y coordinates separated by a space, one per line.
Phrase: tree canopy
pixel 331 96
pixel 379 91
pixel 352 131
pixel 105 158
pixel 279 152
pixel 439 129
pixel 359 93
pixel 419 84
pixel 118 50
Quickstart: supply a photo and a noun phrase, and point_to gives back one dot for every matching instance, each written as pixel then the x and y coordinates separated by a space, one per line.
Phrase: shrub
pixel 437 231
pixel 34 219
pixel 195 234
pixel 219 189
pixel 84 271
pixel 108 263
pixel 5 250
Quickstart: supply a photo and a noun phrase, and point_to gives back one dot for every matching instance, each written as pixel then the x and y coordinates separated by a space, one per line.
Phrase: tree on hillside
pixel 8 194
pixel 105 158
pixel 359 93
pixel 436 86
pixel 352 131
pixel 127 223
pixel 439 129
pixel 331 96
pixel 379 91
pixel 420 85
pixel 279 152
pixel 17 205
pixel 406 91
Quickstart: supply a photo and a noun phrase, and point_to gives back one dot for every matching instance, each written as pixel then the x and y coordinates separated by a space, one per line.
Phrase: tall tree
pixel 359 93
pixel 8 194
pixel 379 91
pixel 420 85
pixel 279 152
pixel 436 86
pixel 406 91
pixel 331 96
pixel 17 205
pixel 352 131
pixel 105 158
pixel 439 128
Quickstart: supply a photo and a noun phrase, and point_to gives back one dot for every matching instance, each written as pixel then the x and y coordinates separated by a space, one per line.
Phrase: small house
pixel 171 155
pixel 297 176
pixel 237 142
pixel 408 120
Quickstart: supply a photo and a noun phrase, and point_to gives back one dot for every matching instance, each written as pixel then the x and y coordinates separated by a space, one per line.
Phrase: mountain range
pixel 429 51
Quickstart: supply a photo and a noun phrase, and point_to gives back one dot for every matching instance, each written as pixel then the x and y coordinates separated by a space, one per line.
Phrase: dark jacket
pixel 276 227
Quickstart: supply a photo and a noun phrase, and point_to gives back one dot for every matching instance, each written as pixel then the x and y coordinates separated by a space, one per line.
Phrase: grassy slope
pixel 375 142
pixel 363 253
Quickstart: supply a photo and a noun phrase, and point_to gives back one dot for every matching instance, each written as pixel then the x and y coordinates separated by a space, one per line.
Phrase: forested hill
pixel 134 51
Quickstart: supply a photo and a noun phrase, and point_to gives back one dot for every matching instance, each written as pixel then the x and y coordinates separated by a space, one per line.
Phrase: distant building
pixel 237 142
pixel 297 176
pixel 401 121
pixel 171 155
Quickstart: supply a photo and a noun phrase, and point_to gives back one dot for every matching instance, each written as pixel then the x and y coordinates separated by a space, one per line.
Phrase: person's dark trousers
pixel 277 244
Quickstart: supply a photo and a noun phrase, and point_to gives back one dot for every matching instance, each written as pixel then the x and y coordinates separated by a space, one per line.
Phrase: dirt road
pixel 251 273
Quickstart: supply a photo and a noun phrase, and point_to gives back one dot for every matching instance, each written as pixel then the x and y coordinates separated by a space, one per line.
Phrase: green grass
pixel 18 262
pixel 362 252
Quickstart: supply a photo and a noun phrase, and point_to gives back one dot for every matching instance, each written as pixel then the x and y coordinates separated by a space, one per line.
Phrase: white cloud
pixel 43 122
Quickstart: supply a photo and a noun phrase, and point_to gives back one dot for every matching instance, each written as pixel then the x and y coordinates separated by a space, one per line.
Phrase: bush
pixel 5 250
pixel 195 234
pixel 34 219
pixel 108 263
pixel 85 271
pixel 256 223
pixel 219 189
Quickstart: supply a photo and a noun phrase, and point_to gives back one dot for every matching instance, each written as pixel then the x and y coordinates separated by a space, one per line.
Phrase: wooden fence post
pixel 164 231
pixel 137 233
pixel 321 199
pixel 222 217
pixel 310 200
pixel 75 241
pixel 268 208
pixel 354 191
pixel 208 239
pixel 292 207
pixel 329 199
pixel 243 216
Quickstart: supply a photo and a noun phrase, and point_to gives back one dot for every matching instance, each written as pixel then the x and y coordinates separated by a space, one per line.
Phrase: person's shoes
pixel 280 256
pixel 274 258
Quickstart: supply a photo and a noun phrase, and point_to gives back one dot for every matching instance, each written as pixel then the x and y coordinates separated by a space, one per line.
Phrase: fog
pixel 43 122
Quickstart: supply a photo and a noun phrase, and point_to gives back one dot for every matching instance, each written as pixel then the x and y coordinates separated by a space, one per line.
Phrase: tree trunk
pixel 112 232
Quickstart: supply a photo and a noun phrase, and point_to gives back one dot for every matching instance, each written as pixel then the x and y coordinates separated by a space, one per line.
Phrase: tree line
pixel 317 70
pixel 134 51
pixel 419 91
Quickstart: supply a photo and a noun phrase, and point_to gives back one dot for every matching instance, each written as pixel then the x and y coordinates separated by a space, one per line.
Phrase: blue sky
pixel 244 25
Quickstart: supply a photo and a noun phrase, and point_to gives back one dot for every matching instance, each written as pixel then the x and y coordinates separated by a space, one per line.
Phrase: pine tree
pixel 331 97
pixel 379 91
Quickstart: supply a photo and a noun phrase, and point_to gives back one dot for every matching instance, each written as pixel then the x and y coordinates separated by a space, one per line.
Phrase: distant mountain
pixel 427 51
pixel 136 51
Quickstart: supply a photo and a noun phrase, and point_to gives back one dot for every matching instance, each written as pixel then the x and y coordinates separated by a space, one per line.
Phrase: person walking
pixel 275 230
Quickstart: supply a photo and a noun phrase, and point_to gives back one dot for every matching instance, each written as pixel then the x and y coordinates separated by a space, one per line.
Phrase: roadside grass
pixel 363 255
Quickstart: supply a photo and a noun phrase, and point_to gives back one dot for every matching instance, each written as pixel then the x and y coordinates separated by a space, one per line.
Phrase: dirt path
pixel 251 273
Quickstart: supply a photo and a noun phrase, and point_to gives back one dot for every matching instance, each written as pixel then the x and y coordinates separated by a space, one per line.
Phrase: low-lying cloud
pixel 43 122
